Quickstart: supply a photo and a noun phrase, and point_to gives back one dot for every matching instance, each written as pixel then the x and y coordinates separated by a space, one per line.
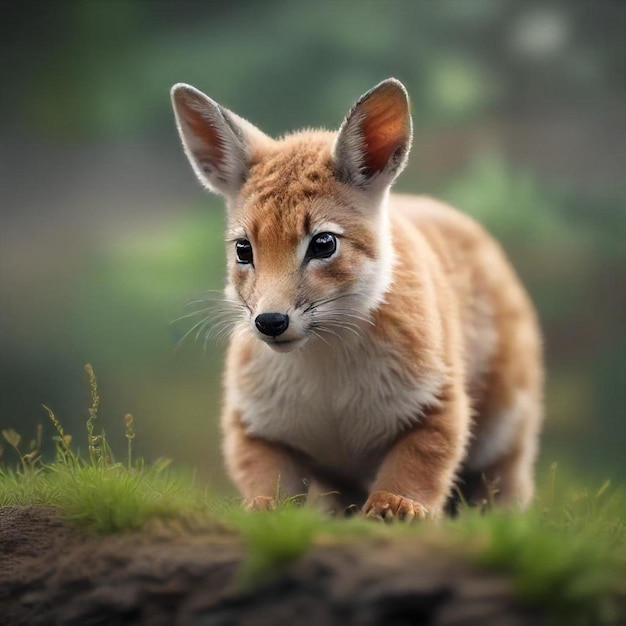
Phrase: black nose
pixel 272 324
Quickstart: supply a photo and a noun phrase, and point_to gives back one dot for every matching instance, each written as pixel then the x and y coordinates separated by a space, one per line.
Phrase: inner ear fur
pixel 375 138
pixel 218 143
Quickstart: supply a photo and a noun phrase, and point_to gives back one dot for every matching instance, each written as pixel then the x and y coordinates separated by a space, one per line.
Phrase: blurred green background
pixel 520 117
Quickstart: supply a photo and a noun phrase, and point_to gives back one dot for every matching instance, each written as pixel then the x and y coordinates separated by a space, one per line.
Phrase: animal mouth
pixel 284 345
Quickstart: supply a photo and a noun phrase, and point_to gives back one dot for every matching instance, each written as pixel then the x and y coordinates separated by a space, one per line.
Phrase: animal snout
pixel 272 324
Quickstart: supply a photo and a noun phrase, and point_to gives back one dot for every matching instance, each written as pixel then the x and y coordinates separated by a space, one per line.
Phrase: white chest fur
pixel 341 407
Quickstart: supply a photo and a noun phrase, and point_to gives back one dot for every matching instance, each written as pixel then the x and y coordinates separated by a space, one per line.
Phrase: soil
pixel 53 573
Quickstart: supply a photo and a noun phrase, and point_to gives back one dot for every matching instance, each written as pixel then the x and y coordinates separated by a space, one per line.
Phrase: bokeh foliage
pixel 518 109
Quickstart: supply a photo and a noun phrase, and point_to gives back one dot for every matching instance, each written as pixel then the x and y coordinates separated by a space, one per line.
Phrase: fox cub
pixel 384 352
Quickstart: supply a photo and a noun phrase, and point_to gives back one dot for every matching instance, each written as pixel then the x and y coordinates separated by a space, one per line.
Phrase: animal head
pixel 308 242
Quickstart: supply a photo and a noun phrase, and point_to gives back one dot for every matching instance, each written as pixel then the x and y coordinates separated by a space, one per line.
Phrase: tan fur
pixel 427 372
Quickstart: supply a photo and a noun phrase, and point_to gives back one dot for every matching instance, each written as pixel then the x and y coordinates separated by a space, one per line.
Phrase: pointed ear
pixel 374 140
pixel 218 143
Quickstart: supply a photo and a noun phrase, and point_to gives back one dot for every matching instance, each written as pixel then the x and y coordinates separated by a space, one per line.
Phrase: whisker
pixel 319 336
pixel 216 296
pixel 324 301
pixel 188 315
pixel 354 314
pixel 191 330
pixel 219 314
pixel 338 318
pixel 341 326
pixel 202 328
pixel 331 315
pixel 217 334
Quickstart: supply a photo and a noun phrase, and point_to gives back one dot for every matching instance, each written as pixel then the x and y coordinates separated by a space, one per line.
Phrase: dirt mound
pixel 51 573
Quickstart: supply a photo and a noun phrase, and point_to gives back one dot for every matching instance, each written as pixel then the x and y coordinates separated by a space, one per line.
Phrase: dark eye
pixel 244 251
pixel 322 246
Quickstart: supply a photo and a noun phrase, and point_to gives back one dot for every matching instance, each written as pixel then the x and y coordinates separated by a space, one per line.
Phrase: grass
pixel 567 555
pixel 98 492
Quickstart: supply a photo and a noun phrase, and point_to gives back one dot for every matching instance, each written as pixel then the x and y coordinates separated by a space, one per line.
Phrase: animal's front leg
pixel 262 471
pixel 417 474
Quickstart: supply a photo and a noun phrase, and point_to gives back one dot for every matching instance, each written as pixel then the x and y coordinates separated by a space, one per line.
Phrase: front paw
pixel 386 506
pixel 260 503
